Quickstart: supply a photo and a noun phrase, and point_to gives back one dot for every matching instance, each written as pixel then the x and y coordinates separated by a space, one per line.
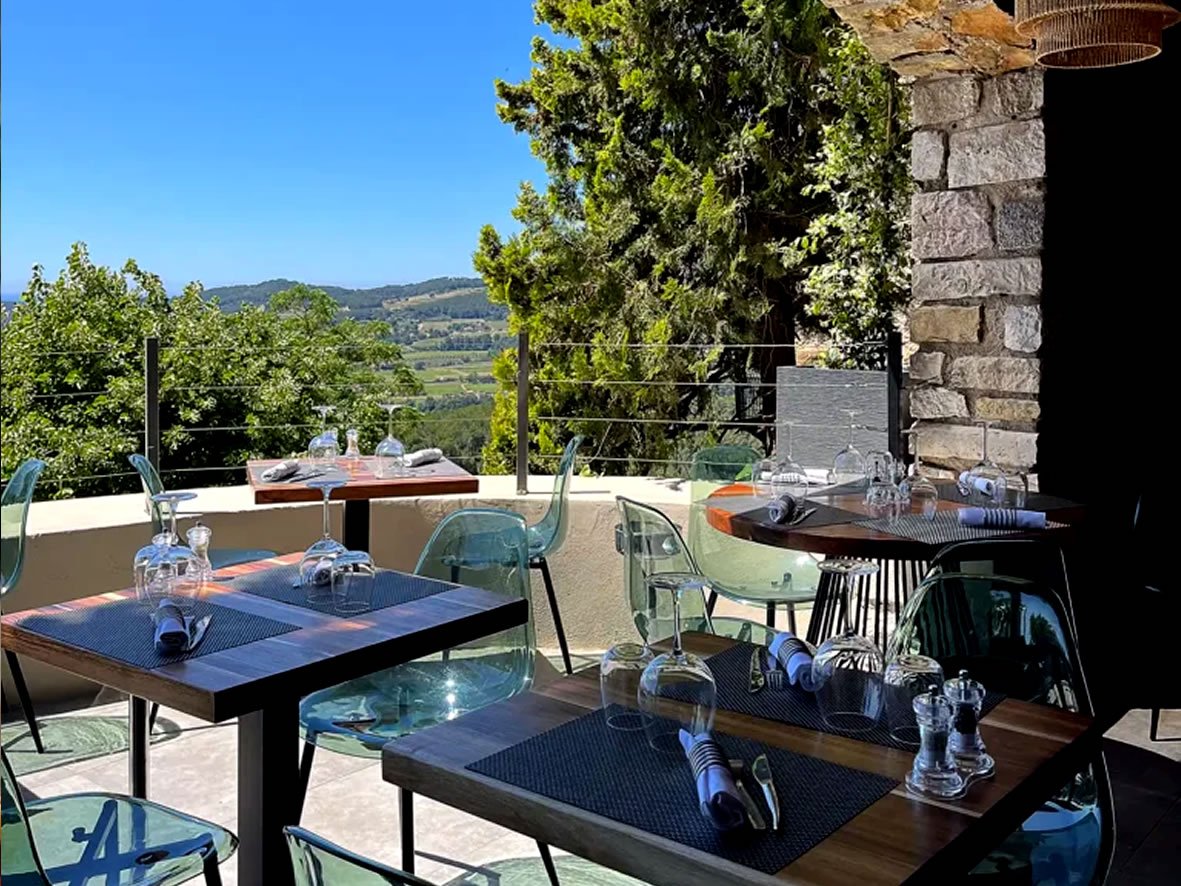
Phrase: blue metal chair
pixel 14 515
pixel 104 838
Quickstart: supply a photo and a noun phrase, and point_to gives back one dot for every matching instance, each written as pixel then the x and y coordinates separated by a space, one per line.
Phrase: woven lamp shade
pixel 1094 33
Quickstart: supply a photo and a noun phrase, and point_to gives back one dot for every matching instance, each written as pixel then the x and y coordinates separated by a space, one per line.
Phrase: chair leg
pixel 711 602
pixel 211 869
pixel 771 615
pixel 152 716
pixel 26 703
pixel 791 618
pixel 406 815
pixel 543 565
pixel 1154 725
pixel 548 860
pixel 305 774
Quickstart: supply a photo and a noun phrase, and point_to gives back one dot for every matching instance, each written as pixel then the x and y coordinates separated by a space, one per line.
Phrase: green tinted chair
pixel 104 838
pixel 14 515
pixel 723 464
pixel 318 862
pixel 161 518
pixel 547 535
pixel 651 545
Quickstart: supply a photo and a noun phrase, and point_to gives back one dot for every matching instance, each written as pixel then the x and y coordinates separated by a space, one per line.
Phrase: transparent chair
pixel 547 535
pixel 723 464
pixel 104 838
pixel 14 515
pixel 652 545
pixel 219 558
pixel 1017 637
pixel 317 862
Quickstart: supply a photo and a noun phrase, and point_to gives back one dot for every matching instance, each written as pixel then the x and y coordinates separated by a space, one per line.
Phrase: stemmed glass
pixel 984 484
pixel 315 568
pixel 390 452
pixel 917 489
pixel 172 573
pixel 849 465
pixel 847 668
pixel 324 447
pixel 677 689
pixel 789 478
pixel 882 496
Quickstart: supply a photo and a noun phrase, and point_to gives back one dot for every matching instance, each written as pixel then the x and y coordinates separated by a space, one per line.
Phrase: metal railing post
pixel 894 393
pixel 152 400
pixel 522 413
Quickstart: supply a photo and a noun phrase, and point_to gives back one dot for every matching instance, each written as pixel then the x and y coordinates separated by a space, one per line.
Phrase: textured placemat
pixel 1034 501
pixel 586 764
pixel 791 705
pixel 391 588
pixel 123 630
pixel 754 507
pixel 944 529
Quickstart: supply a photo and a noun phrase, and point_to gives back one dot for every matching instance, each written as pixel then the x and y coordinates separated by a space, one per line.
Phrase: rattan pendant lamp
pixel 1094 33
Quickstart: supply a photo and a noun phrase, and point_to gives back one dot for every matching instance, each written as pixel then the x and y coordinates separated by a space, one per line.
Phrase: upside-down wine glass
pixel 390 454
pixel 325 446
pixel 315 567
pixel 677 689
pixel 984 484
pixel 789 478
pixel 847 668
pixel 918 491
pixel 174 574
pixel 849 465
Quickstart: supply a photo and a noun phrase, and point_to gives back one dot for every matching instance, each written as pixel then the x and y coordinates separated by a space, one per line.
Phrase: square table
pixel 261 682
pixel 899 838
pixel 438 478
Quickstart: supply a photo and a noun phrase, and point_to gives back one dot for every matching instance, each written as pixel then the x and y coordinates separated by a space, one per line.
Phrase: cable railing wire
pixel 873 343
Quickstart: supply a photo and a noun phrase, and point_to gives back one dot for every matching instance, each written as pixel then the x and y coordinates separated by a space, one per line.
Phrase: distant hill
pixel 362 302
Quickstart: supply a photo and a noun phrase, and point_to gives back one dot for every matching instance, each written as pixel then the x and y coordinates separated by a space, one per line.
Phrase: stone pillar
pixel 979 163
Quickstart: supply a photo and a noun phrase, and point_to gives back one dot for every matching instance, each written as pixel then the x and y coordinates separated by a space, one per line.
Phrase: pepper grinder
pixel 967 747
pixel 934 773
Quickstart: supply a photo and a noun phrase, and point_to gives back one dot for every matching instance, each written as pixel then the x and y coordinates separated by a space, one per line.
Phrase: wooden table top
pixel 444 478
pixel 324 651
pixel 851 540
pixel 901 838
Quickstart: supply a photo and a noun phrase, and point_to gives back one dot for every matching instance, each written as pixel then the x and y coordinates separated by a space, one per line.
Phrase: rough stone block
pixel 944 100
pixel 977 279
pixel 937 403
pixel 1019 225
pixel 927 150
pixel 927 366
pixel 1007 409
pixel 945 323
pixel 1023 328
pixel 1016 374
pixel 959 446
pixel 1017 93
pixel 1009 152
pixel 949 224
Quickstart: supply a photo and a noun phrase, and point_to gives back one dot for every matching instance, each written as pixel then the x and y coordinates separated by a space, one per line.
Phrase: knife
pixel 758 680
pixel 737 768
pixel 761 770
pixel 197 632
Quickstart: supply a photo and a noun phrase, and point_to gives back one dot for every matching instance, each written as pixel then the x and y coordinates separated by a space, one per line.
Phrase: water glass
pixel 353 580
pixel 847 668
pixel 139 567
pixel 908 677
pixel 619 681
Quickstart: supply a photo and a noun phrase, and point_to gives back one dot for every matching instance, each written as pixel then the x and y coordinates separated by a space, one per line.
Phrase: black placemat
pixel 1034 501
pixel 825 515
pixel 124 630
pixel 586 764
pixel 391 588
pixel 791 705
pixel 944 529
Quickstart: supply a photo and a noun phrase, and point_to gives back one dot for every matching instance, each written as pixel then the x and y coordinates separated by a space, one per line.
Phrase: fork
pixel 776 678
pixel 803 515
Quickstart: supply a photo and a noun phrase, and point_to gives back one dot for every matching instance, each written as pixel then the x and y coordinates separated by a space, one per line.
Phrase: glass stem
pixel 846 602
pixel 172 522
pixel 327 521
pixel 678 652
pixel 789 443
pixel 984 445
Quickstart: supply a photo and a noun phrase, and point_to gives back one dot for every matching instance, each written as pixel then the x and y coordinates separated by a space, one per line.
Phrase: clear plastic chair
pixel 652 545
pixel 14 515
pixel 105 838
pixel 317 862
pixel 723 464
pixel 547 535
pixel 219 558
pixel 1017 637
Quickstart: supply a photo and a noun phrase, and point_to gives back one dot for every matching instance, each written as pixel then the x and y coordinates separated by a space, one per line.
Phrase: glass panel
pixel 14 513
pixel 320 863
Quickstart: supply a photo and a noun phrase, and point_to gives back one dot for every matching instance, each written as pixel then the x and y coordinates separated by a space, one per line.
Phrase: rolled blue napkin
pixel 717 793
pixel 795 657
pixel 281 471
pixel 1002 518
pixel 783 508
pixel 422 457
pixel 982 485
pixel 172 633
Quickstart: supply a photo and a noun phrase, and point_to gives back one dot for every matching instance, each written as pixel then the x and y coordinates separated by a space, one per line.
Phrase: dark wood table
pixel 900 838
pixel 440 478
pixel 261 683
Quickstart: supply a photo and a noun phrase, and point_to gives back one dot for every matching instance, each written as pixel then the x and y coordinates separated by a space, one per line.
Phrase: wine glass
pixel 921 495
pixel 907 677
pixel 619 681
pixel 847 668
pixel 984 484
pixel 315 567
pixel 353 579
pixel 144 558
pixel 677 689
pixel 390 454
pixel 848 466
pixel 789 478
pixel 882 496
pixel 172 499
pixel 325 447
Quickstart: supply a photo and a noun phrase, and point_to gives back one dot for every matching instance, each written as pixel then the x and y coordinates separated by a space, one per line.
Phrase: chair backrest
pixel 19 863
pixel 318 862
pixel 551 529
pixel 816 401
pixel 653 545
pixel 152 484
pixel 14 516
pixel 723 464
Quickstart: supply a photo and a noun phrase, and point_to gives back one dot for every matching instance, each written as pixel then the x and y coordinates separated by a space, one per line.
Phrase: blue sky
pixel 353 143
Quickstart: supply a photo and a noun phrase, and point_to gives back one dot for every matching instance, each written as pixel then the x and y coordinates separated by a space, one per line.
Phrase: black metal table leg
pixel 138 738
pixel 356 524
pixel 771 615
pixel 268 777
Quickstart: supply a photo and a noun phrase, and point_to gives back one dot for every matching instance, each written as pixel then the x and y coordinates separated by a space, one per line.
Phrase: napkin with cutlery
pixel 783 508
pixel 422 457
pixel 281 471
pixel 1002 518
pixel 172 631
pixel 795 657
pixel 717 792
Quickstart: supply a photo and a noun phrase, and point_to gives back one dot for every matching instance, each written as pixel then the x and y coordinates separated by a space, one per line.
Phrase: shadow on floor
pixel 72 739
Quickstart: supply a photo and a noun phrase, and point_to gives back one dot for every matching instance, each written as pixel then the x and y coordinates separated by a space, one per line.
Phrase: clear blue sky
pixel 353 143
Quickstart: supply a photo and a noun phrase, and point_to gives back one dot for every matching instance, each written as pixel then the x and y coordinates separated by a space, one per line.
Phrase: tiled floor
pixel 194 769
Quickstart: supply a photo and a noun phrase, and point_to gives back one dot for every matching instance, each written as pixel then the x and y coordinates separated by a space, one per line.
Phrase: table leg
pixel 268 776
pixel 356 524
pixel 137 747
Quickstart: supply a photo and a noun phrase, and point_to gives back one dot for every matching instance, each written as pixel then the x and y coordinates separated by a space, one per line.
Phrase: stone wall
pixel 977 217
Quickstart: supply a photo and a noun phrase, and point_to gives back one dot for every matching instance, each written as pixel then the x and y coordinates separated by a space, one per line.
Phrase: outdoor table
pixel 259 681
pixel 439 478
pixel 899 838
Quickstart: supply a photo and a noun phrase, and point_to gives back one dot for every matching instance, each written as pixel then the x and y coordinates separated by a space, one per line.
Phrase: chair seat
pixel 123 840
pixel 360 716
pixel 220 558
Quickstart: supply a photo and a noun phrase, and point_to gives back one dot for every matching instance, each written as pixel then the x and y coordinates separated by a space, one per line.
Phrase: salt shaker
pixel 967 695
pixel 934 772
pixel 199 538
